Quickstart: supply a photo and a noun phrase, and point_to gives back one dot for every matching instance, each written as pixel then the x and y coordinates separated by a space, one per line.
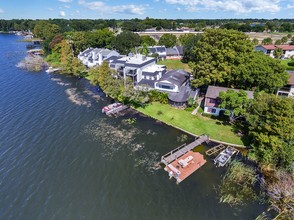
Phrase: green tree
pixel 100 38
pixel 144 49
pixel 125 41
pixel 278 42
pixel 267 41
pixel 234 103
pixel 218 54
pixel 271 123
pixel 284 39
pixel 168 40
pixel 148 40
pixel 188 45
pixel 259 72
pixel 278 52
pixel 255 41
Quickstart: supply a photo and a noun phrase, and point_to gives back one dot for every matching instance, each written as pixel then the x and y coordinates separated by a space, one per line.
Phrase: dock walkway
pixel 215 149
pixel 179 151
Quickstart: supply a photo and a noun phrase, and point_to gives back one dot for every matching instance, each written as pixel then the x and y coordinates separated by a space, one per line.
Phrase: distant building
pixel 288 90
pixel 212 100
pixel 174 53
pixel 288 50
pixel 95 56
pixel 160 50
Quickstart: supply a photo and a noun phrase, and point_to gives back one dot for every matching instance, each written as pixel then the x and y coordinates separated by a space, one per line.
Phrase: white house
pixel 288 50
pixel 288 90
pixel 92 57
pixel 132 66
pixel 212 99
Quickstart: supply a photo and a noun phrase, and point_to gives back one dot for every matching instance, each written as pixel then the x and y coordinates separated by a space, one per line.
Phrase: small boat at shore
pixel 224 157
pixel 112 107
pixel 52 70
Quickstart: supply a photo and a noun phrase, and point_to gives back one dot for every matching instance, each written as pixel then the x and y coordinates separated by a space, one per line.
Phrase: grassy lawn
pixel 286 64
pixel 175 64
pixel 194 124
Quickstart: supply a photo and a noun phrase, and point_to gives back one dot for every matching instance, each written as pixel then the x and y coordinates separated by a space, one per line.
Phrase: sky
pixel 127 9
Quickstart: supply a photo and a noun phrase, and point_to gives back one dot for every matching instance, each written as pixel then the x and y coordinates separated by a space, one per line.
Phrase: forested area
pixel 244 25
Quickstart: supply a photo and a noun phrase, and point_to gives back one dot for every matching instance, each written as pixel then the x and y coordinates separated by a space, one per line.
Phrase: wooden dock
pixel 180 171
pixel 183 149
pixel 117 110
pixel 215 149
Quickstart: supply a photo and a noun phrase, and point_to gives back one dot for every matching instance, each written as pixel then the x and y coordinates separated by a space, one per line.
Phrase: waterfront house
pixel 132 66
pixel 95 56
pixel 150 75
pixel 177 84
pixel 288 90
pixel 212 100
pixel 288 50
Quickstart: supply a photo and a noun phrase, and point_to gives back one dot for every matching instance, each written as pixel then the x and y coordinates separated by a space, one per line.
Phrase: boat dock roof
pixel 178 152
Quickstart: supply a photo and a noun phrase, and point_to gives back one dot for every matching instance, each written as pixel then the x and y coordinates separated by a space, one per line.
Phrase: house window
pixel 211 110
pixel 166 87
pixel 212 100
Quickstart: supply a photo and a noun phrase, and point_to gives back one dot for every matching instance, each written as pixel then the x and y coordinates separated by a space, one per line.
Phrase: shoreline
pixel 192 134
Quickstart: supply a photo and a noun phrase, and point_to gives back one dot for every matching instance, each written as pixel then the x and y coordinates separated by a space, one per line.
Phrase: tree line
pixel 244 25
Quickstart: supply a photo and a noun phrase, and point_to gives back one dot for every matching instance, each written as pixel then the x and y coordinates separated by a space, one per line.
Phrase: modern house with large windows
pixel 132 66
pixel 212 100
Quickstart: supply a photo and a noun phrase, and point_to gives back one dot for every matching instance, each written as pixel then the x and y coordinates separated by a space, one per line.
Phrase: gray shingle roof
pixel 213 91
pixel 181 96
pixel 177 77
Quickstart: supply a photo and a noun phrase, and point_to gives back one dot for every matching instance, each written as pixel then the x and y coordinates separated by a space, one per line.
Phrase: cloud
pixel 50 9
pixel 119 9
pixel 290 6
pixel 1 10
pixel 238 6
pixel 62 14
pixel 66 6
pixel 178 9
pixel 65 1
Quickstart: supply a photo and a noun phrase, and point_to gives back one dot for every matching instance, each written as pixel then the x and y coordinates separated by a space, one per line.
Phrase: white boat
pixel 223 158
pixel 111 107
pixel 52 70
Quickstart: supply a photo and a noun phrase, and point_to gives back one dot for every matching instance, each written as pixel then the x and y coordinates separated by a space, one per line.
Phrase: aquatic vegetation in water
pixel 32 63
pixel 237 186
pixel 77 98
pixel 182 138
pixel 129 121
pixel 116 138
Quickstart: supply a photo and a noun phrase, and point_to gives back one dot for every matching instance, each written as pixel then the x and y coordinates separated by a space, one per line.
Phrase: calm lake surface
pixel 61 158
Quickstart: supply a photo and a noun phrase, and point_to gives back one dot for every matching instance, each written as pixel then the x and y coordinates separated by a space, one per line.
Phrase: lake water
pixel 61 158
